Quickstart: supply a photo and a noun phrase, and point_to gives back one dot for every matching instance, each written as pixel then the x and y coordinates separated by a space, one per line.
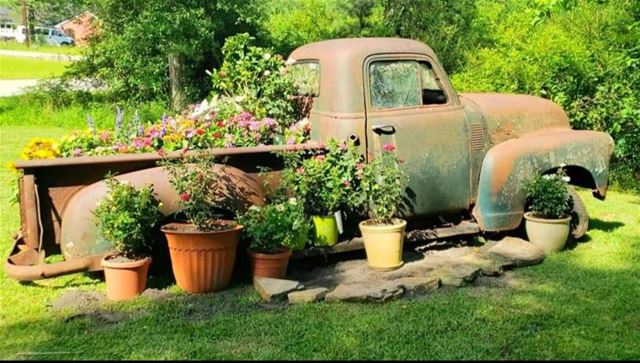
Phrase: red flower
pixel 185 197
pixel 220 123
pixel 389 147
pixel 216 135
pixel 200 131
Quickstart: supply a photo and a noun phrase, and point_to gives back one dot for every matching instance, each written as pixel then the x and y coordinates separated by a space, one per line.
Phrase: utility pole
pixel 25 22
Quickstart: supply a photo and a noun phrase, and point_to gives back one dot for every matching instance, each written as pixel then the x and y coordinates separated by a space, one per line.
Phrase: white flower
pixel 208 72
pixel 238 99
pixel 280 208
pixel 254 208
pixel 266 56
pixel 266 73
pixel 547 176
pixel 566 178
pixel 293 201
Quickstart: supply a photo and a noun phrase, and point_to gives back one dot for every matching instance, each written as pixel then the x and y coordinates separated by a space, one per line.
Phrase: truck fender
pixel 78 233
pixel 509 166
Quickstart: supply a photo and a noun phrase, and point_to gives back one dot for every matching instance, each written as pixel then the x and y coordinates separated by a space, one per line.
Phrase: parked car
pixel 44 35
pixel 468 155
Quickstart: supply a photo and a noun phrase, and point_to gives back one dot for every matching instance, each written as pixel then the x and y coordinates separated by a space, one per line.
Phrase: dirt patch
pixel 78 300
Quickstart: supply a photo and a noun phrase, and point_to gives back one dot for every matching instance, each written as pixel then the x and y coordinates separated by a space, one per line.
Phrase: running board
pixel 417 235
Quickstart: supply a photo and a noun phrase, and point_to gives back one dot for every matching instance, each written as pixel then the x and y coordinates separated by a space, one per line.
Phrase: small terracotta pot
pixel 125 280
pixel 202 261
pixel 548 234
pixel 270 264
pixel 383 244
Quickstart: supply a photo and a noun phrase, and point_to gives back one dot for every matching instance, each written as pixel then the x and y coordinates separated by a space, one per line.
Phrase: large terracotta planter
pixel 383 244
pixel 270 264
pixel 125 280
pixel 201 261
pixel 549 234
pixel 325 230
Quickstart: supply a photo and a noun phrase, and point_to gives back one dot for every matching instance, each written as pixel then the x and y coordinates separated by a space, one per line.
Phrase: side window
pixel 394 84
pixel 306 78
pixel 432 92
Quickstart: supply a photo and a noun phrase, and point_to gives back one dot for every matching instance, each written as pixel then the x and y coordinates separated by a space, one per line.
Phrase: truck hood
pixel 512 116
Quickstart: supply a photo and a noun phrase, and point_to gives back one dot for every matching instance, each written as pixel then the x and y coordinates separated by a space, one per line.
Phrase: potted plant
pixel 547 222
pixel 275 229
pixel 382 187
pixel 126 218
pixel 203 248
pixel 325 183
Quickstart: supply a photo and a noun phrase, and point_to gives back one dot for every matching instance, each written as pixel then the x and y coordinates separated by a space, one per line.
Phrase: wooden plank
pixel 463 228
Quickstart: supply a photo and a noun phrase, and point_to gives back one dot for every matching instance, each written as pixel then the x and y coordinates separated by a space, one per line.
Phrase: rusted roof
pixel 356 49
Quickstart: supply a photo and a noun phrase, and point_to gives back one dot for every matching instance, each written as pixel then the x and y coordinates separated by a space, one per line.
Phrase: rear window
pixel 306 78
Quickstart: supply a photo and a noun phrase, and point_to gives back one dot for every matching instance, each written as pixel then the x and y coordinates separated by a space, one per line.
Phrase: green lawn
pixel 581 303
pixel 30 68
pixel 42 48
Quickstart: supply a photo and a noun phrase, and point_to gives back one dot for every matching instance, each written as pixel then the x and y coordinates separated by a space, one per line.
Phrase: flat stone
pixel 366 292
pixel 459 274
pixel 307 296
pixel 420 285
pixel 275 289
pixel 516 251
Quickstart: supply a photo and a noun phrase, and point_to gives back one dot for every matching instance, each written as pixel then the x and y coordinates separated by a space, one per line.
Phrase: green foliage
pixel 253 79
pixel 584 55
pixel 326 181
pixel 195 179
pixel 127 217
pixel 382 185
pixel 548 196
pixel 278 224
pixel 130 52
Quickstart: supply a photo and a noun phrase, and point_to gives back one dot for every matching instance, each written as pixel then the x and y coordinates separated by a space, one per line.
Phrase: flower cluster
pixel 548 196
pixel 198 128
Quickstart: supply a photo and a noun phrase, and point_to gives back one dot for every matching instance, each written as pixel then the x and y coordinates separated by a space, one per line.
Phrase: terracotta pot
pixel 325 231
pixel 270 264
pixel 201 261
pixel 383 244
pixel 125 280
pixel 549 234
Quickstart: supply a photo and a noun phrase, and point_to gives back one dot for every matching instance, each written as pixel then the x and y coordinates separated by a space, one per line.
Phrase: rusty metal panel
pixel 507 168
pixel 29 211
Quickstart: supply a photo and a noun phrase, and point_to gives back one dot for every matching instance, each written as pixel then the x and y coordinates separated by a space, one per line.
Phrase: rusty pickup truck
pixel 468 155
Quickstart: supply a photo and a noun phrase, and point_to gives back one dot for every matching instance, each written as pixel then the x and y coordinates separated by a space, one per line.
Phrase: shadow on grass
pixel 606 226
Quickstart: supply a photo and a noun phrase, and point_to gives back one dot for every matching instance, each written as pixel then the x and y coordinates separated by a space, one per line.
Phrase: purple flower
pixel 188 133
pixel 254 126
pixel 77 152
pixel 154 133
pixel 92 124
pixel 269 122
pixel 243 123
pixel 291 141
pixel 140 130
pixel 163 131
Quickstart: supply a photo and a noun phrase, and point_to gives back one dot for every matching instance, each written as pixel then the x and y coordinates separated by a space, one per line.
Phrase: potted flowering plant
pixel 202 250
pixel 547 222
pixel 382 186
pixel 275 230
pixel 126 218
pixel 325 182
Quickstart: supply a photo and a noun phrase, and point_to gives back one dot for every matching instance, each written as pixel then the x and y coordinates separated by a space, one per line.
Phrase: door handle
pixel 385 129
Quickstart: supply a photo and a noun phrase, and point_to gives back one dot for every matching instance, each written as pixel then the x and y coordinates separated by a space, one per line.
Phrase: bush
pixel 127 217
pixel 548 197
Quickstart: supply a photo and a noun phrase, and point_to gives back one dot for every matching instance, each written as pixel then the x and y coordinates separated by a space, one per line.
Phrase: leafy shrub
pixel 279 224
pixel 127 217
pixel 548 196
pixel 326 180
pixel 382 185
pixel 195 179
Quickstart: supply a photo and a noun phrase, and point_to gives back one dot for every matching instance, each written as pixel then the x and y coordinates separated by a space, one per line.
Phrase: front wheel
pixel 579 216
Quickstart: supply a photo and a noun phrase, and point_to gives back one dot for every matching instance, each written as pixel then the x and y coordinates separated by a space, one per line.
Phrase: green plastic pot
pixel 325 230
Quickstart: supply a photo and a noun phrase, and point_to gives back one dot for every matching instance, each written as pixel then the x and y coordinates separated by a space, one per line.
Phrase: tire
pixel 579 216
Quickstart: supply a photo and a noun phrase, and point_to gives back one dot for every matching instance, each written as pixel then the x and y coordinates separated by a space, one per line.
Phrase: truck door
pixel 408 104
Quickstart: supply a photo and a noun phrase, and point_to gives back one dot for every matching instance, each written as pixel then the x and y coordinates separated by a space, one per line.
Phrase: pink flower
pixel 291 141
pixel 346 183
pixel 104 136
pixel 320 157
pixel 389 147
pixel 161 152
pixel 185 197
pixel 343 147
pixel 360 166
pixel 299 170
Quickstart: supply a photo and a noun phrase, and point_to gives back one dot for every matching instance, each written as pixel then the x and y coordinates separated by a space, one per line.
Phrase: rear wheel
pixel 579 216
